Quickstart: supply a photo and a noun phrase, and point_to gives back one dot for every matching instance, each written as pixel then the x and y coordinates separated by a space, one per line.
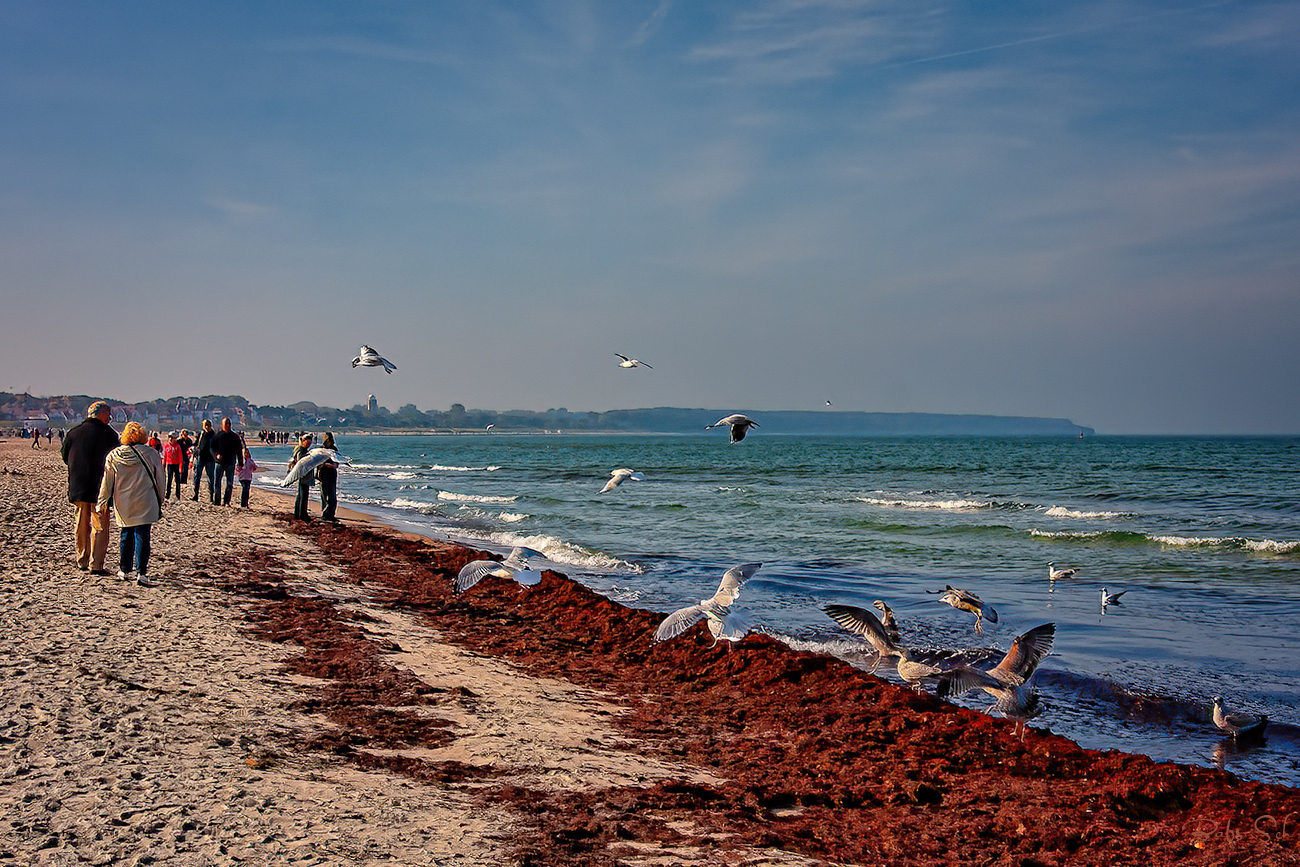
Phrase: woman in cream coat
pixel 133 482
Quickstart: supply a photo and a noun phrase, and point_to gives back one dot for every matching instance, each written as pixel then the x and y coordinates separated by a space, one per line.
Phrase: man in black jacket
pixel 84 450
pixel 227 450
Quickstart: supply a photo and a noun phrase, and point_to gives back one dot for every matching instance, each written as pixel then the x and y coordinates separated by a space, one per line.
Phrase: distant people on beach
pixel 154 442
pixel 173 454
pixel 246 470
pixel 186 443
pixel 302 503
pixel 328 476
pixel 36 439
pixel 203 460
pixel 227 452
pixel 84 450
pixel 133 483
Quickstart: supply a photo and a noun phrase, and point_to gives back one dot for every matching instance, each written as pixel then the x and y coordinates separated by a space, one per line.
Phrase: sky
pixel 1084 210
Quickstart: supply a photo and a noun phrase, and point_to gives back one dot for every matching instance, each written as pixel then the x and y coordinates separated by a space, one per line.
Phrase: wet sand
pixel 316 694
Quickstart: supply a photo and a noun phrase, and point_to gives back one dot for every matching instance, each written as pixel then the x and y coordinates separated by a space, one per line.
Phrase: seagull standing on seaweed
pixel 723 624
pixel 739 425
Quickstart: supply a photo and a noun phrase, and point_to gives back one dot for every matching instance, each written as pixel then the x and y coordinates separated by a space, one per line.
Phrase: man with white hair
pixel 84 450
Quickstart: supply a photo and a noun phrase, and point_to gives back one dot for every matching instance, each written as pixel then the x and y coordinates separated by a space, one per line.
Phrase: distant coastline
pixel 25 410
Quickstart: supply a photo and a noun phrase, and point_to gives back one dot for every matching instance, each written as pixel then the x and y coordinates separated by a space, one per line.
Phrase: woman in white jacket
pixel 133 482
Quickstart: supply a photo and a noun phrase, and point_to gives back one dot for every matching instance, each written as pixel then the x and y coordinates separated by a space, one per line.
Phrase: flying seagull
pixel 738 423
pixel 631 362
pixel 717 608
pixel 866 624
pixel 619 476
pixel 515 566
pixel 964 600
pixel 1239 726
pixel 369 358
pixel 1006 681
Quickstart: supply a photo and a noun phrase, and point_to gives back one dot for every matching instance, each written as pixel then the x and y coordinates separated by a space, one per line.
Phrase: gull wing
pixel 678 622
pixel 389 367
pixel 964 678
pixel 733 627
pixel 475 571
pixel 527 577
pixel 519 557
pixel 729 588
pixel 1026 652
pixel 864 623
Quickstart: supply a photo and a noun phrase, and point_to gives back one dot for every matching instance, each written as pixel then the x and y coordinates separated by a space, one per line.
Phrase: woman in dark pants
pixel 328 476
pixel 301 503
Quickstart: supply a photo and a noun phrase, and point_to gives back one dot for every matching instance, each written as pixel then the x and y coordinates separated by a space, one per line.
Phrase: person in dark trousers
pixel 227 452
pixel 186 443
pixel 328 476
pixel 203 459
pixel 84 450
pixel 302 503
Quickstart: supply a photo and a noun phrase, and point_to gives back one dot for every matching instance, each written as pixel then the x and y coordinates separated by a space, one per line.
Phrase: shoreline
pixel 304 664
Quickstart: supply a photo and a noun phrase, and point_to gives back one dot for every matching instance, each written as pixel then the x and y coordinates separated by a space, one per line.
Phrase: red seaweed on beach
pixel 818 757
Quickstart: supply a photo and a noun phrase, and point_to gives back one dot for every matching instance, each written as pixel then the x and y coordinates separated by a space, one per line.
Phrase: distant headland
pixel 25 410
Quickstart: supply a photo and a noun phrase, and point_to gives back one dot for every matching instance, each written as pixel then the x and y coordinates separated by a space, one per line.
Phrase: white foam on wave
pixel 381 466
pixel 454 497
pixel 555 550
pixel 402 476
pixel 1062 512
pixel 1065 534
pixel 1262 546
pixel 513 517
pixel 945 505
pixel 414 505
pixel 446 469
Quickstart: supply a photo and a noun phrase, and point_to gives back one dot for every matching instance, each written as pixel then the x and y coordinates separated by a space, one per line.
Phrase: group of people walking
pixel 122 471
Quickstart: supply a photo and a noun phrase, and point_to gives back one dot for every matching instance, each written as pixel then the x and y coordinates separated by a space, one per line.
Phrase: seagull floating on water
pixel 738 423
pixel 619 476
pixel 514 566
pixel 369 358
pixel 864 623
pixel 1006 681
pixel 631 362
pixel 1053 573
pixel 723 624
pixel 1108 598
pixel 1239 726
pixel 964 600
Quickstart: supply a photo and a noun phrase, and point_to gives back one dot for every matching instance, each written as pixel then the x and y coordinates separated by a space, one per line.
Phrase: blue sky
pixel 1087 210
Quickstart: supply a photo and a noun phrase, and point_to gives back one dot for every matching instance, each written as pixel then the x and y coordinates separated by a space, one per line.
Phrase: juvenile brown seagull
pixel 864 623
pixel 964 600
pixel 1006 681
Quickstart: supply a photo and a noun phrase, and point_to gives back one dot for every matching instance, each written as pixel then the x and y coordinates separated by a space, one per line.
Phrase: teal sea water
pixel 1203 534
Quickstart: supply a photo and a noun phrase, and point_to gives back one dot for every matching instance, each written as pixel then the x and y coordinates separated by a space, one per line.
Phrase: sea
pixel 1202 535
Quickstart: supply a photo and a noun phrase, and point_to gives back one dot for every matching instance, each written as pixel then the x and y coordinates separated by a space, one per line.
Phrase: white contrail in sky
pixel 1061 35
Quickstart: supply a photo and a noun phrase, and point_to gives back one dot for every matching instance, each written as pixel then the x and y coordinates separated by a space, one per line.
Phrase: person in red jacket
pixel 173 455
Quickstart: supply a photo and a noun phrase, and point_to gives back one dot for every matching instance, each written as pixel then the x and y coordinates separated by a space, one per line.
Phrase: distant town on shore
pixel 45 413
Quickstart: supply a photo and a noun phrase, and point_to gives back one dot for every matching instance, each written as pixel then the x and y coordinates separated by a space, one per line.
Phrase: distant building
pixel 372 403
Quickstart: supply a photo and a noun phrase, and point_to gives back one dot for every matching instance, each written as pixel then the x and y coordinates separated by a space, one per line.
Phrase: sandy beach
pixel 316 694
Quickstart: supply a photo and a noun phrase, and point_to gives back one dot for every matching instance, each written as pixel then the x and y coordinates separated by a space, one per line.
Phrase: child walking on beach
pixel 246 471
